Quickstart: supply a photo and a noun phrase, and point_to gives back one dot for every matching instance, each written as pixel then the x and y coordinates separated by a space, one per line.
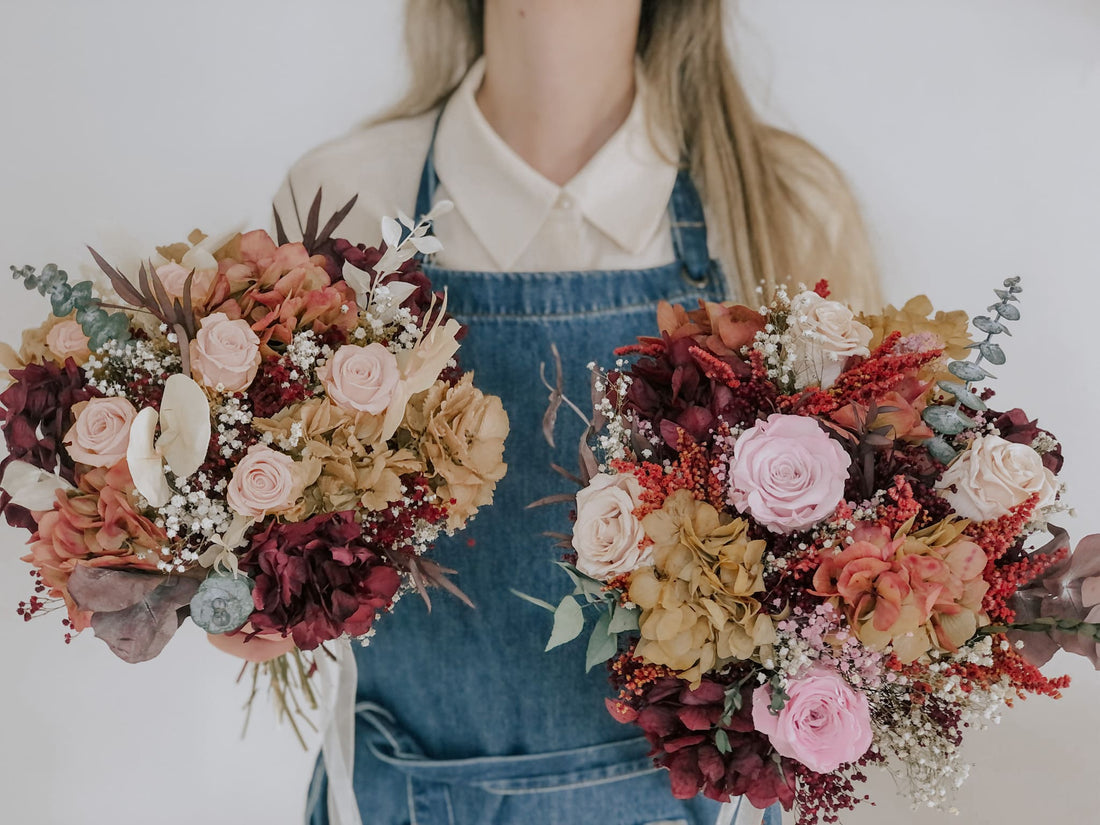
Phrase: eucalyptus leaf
pixel 61 300
pixel 568 623
pixel 1005 295
pixel 964 395
pixel 82 294
pixel 624 619
pixel 940 450
pixel 1007 311
pixel 968 371
pixel 946 420
pixel 585 585
pixel 722 741
pixel 222 603
pixel 992 353
pixel 989 326
pixel 537 602
pixel 602 645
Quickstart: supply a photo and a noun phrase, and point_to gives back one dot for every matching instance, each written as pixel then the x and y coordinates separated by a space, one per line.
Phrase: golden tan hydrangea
pixel 344 463
pixel 461 434
pixel 951 328
pixel 699 597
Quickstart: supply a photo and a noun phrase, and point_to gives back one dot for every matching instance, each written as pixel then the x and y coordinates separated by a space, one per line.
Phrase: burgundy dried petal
pixel 139 632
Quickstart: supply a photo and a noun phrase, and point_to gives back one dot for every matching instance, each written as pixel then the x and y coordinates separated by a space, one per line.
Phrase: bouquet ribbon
pixel 339 679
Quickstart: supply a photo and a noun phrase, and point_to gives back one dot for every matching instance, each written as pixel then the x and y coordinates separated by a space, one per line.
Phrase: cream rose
pixel 101 431
pixel 822 335
pixel 993 476
pixel 67 340
pixel 225 353
pixel 607 536
pixel 361 378
pixel 265 481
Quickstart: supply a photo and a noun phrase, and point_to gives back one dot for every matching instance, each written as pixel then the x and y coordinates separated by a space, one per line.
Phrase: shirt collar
pixel 623 190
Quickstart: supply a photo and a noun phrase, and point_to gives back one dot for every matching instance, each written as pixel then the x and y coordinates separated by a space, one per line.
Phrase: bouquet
pixel 261 435
pixel 813 545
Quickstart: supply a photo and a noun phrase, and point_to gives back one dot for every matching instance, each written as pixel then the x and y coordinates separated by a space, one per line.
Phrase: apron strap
pixel 685 212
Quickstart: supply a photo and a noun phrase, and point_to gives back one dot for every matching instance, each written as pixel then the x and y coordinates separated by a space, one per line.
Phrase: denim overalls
pixel 462 718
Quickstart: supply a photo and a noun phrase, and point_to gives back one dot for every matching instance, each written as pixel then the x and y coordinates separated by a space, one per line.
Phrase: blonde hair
pixel 784 211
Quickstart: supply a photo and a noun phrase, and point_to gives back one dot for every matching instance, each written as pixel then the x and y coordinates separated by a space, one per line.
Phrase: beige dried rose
pixel 994 475
pixel 699 597
pixel 461 433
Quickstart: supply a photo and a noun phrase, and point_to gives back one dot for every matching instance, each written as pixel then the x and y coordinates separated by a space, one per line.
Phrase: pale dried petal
pixel 145 463
pixel 184 425
pixel 32 487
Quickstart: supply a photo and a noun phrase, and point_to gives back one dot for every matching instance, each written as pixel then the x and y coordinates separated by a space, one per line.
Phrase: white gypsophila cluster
pixel 196 513
pixel 127 359
pixel 304 352
pixel 1044 443
pixel 231 418
pixel 917 744
pixel 613 441
pixel 779 360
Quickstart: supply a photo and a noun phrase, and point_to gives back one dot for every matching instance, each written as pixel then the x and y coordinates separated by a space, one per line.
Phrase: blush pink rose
pixel 787 473
pixel 101 431
pixel 607 536
pixel 824 724
pixel 225 352
pixel 264 482
pixel 173 276
pixel 361 378
pixel 67 340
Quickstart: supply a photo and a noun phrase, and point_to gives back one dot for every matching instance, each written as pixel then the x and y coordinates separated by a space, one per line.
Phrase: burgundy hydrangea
pixel 682 724
pixel 317 579
pixel 36 411
pixel 671 389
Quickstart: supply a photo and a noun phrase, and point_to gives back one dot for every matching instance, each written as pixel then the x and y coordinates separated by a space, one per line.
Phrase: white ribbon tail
pixel 740 812
pixel 338 681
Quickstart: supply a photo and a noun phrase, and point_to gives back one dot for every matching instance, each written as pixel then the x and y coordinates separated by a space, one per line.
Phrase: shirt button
pixel 564 201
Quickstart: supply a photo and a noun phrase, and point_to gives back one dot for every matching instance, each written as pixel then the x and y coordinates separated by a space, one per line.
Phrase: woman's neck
pixel 559 77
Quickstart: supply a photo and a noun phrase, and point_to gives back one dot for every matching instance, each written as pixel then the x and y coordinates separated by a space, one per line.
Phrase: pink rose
pixel 361 378
pixel 173 276
pixel 787 473
pixel 607 536
pixel 225 352
pixel 101 431
pixel 825 724
pixel 264 482
pixel 67 340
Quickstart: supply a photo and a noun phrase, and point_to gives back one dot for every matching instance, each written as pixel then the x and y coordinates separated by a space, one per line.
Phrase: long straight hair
pixel 783 211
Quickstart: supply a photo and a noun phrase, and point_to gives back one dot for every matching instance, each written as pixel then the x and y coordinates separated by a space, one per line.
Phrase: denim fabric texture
pixel 462 718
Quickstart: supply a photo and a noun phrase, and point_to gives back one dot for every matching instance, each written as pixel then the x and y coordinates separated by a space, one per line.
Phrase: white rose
pixel 822 335
pixel 993 476
pixel 607 536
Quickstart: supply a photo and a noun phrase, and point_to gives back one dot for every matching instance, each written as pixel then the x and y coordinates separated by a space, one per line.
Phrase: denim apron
pixel 462 719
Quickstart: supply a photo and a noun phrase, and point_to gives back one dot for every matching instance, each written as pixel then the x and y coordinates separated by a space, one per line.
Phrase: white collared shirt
pixel 612 215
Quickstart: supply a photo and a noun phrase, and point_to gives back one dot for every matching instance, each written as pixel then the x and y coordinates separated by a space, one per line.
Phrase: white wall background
pixel 969 128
